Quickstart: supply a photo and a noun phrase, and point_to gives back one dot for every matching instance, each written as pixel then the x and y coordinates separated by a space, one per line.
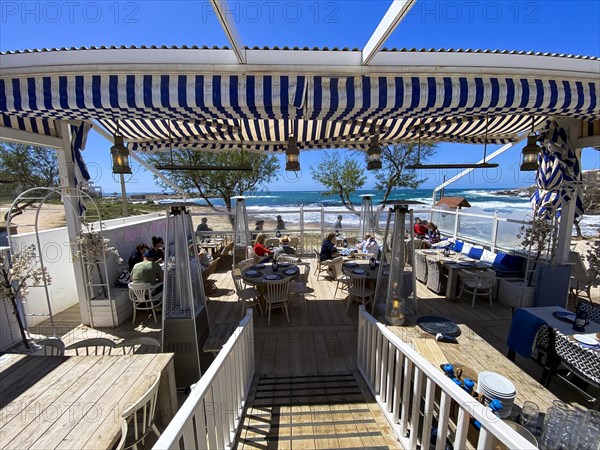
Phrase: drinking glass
pixel 530 414
pixel 570 428
pixel 588 437
pixel 552 428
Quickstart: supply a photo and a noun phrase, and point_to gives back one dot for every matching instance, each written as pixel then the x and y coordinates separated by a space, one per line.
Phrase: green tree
pixel 340 176
pixel 225 184
pixel 28 166
pixel 24 166
pixel 394 174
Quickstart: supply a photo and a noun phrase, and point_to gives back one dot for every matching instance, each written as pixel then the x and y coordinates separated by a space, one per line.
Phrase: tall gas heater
pixel 185 316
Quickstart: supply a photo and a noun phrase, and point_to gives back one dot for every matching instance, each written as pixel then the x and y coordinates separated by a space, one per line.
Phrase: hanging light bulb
pixel 292 155
pixel 119 154
pixel 530 152
pixel 374 153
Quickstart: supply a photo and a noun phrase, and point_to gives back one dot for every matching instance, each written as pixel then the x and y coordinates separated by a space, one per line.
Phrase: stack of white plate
pixel 494 386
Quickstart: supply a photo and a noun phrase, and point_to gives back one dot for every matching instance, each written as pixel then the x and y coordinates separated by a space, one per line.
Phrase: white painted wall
pixel 124 234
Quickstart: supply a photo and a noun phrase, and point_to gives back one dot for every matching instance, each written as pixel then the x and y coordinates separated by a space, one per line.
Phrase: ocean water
pixel 483 201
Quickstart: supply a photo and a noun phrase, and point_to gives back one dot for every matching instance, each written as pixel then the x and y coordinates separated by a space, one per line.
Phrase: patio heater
pixel 396 284
pixel 241 234
pixel 365 223
pixel 185 325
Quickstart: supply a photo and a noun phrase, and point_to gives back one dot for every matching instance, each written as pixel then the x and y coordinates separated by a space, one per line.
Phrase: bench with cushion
pixel 504 265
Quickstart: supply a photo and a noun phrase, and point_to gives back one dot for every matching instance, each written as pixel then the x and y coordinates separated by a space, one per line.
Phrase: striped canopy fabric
pixel 559 177
pixel 157 112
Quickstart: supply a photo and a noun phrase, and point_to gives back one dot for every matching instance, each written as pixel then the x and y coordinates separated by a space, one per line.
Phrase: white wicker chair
pixel 145 297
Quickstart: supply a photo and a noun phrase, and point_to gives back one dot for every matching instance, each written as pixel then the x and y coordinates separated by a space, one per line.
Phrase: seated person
pixel 328 248
pixel 148 271
pixel 158 245
pixel 284 248
pixel 137 256
pixel 203 226
pixel 260 249
pixel 433 236
pixel 420 229
pixel 369 245
pixel 259 226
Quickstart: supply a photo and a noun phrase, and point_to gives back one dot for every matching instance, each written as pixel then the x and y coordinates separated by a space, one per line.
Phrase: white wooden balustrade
pixel 210 416
pixel 414 395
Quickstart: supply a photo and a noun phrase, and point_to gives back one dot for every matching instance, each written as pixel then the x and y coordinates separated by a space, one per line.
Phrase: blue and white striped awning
pixel 155 112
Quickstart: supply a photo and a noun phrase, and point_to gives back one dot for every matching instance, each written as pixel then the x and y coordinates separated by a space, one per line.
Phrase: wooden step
pixel 312 411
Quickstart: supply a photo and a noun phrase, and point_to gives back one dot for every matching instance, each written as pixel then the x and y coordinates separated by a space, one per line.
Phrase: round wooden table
pixel 371 274
pixel 286 270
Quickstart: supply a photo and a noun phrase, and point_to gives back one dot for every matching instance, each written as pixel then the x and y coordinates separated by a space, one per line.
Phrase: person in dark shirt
pixel 158 245
pixel 328 248
pixel 203 226
pixel 137 256
pixel 280 224
pixel 338 224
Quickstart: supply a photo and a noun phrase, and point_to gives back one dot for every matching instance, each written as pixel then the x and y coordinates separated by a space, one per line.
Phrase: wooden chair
pixel 145 298
pixel 358 291
pixel 206 281
pixel 581 281
pixel 321 266
pixel 251 254
pixel 93 346
pixel 277 296
pixel 294 241
pixel 247 296
pixel 352 241
pixel 272 241
pixel 479 282
pixel 300 286
pixel 225 252
pixel 340 276
pixel 140 345
pixel 139 420
pixel 52 346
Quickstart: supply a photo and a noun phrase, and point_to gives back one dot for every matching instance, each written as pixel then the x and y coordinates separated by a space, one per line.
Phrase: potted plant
pixel 92 249
pixel 17 273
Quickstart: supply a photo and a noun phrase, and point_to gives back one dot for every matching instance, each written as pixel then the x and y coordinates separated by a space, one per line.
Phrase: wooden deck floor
pixel 321 340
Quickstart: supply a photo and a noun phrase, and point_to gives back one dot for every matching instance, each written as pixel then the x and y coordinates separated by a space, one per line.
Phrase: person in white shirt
pixel 369 245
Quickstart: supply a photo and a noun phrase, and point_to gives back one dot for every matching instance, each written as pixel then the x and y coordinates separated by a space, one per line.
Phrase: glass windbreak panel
pixel 476 228
pixel 508 235
pixel 444 221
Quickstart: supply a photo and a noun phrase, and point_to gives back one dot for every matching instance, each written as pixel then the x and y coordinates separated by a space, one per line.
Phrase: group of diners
pixel 329 250
pixel 426 231
pixel 272 253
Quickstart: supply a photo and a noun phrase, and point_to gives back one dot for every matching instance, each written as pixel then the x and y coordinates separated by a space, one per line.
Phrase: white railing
pixel 210 416
pixel 412 393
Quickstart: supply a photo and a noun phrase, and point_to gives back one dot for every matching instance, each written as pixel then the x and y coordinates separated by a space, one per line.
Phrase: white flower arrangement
pixel 90 246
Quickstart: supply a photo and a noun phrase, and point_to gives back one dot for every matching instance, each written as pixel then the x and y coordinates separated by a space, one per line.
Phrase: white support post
pixel 222 11
pixel 393 16
pixel 67 180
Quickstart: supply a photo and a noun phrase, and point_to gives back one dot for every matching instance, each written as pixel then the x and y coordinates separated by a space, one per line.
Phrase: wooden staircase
pixel 313 411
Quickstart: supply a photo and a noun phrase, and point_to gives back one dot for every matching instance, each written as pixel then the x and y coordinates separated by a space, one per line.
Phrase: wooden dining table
pixel 76 402
pixel 454 263
pixel 265 270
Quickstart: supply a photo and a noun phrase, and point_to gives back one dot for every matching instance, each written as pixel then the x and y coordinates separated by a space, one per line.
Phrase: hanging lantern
pixel 120 156
pixel 530 154
pixel 292 155
pixel 374 154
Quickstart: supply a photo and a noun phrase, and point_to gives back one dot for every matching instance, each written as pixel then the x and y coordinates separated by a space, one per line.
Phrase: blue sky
pixel 548 26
